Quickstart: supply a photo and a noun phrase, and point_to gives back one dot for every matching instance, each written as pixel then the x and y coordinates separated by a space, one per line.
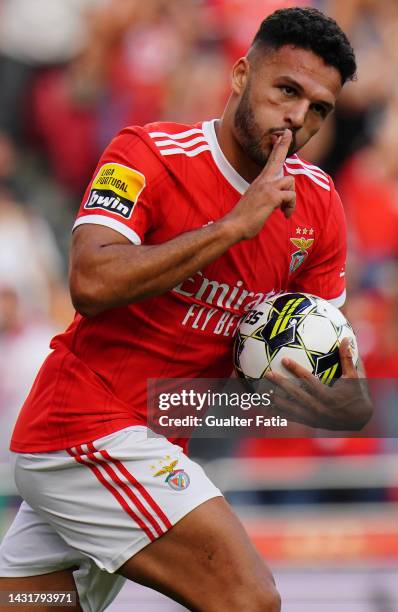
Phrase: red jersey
pixel 152 184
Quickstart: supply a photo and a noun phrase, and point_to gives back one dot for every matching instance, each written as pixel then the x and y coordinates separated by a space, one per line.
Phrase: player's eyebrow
pixel 328 105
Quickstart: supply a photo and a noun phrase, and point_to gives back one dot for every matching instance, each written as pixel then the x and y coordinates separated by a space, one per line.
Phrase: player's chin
pixel 261 158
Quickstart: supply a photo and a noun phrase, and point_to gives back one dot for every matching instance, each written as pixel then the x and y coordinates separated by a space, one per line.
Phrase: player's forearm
pixel 114 275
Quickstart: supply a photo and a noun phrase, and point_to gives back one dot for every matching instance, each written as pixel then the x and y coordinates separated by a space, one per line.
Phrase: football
pixel 296 326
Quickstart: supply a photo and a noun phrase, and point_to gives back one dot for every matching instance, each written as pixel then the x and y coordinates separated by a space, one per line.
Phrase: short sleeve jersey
pixel 152 184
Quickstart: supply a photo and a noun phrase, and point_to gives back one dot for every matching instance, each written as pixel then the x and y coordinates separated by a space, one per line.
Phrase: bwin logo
pixel 109 201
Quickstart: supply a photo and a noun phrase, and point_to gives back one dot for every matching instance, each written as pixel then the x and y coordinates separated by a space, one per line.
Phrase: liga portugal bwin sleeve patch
pixel 115 188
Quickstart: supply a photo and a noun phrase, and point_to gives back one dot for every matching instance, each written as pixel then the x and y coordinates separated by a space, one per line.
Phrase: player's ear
pixel 240 75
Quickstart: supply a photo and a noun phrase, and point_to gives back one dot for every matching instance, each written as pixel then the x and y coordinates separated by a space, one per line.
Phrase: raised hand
pixel 270 190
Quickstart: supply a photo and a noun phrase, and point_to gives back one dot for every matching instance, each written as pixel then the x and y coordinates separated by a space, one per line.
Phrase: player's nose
pixel 296 114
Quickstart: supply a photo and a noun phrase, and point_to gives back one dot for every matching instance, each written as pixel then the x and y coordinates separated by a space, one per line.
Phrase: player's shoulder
pixel 163 142
pixel 177 139
pixel 311 178
pixel 162 129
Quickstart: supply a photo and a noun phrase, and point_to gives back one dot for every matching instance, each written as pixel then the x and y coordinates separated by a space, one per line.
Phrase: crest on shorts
pixel 178 480
pixel 298 257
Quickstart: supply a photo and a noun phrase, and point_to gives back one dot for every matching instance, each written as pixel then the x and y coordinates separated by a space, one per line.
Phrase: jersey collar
pixel 228 171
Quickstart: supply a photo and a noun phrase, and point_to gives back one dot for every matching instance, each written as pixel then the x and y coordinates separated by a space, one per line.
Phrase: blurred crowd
pixel 73 72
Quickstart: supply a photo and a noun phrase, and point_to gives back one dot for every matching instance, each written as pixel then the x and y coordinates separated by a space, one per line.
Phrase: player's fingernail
pixel 286 361
pixel 270 375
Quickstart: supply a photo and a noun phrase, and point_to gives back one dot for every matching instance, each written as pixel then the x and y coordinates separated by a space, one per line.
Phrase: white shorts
pixel 96 505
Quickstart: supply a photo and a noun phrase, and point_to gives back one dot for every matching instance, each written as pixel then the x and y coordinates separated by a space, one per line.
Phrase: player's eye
pixel 319 110
pixel 288 91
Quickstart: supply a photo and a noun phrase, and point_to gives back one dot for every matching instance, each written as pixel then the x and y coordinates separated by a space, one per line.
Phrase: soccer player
pixel 181 231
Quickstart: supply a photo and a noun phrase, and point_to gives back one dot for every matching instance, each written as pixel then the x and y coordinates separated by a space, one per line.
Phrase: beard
pixel 250 136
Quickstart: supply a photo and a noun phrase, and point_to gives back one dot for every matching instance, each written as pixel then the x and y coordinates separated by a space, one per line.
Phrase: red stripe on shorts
pixel 114 492
pixel 139 486
pixel 136 501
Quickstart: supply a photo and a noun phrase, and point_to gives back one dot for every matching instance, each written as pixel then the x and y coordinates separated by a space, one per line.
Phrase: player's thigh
pixel 207 562
pixel 55 581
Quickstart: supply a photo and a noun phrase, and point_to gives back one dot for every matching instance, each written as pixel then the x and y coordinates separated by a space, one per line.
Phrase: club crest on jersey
pixel 115 188
pixel 298 257
pixel 178 480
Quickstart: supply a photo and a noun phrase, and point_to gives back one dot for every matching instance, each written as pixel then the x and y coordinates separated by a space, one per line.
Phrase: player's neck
pixel 233 151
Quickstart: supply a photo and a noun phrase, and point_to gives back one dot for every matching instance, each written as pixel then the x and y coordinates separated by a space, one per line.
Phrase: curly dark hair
pixel 308 28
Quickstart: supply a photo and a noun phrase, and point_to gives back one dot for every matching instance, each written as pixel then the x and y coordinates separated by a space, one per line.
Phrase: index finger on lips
pixel 278 155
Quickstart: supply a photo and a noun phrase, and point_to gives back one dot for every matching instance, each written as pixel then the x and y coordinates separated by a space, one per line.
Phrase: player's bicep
pixel 87 242
pixel 91 236
pixel 92 254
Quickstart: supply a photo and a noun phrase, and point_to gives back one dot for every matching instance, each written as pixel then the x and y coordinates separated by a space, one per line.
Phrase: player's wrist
pixel 231 230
